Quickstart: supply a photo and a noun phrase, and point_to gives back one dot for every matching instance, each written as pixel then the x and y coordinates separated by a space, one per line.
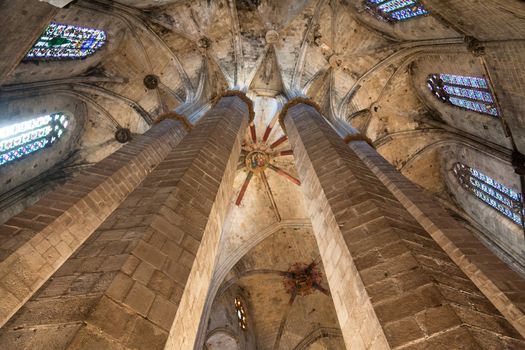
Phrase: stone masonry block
pixel 335 181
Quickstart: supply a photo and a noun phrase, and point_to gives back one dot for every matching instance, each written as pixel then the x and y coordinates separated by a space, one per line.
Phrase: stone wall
pixel 487 20
pixel 17 36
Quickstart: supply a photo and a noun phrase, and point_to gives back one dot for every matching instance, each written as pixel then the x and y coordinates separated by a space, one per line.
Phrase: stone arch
pixel 222 269
pixel 316 335
pixel 481 125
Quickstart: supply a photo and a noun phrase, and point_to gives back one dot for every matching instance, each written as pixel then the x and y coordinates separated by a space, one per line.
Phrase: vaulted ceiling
pixel 358 69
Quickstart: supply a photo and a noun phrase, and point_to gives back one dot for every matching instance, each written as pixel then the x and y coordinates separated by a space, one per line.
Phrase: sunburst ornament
pixel 303 279
pixel 257 156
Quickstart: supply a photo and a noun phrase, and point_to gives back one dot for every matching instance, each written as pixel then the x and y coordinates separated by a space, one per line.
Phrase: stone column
pixel 125 285
pixel 500 284
pixel 391 284
pixel 36 242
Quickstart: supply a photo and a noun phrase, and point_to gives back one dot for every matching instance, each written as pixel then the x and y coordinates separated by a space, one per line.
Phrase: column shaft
pixel 123 288
pixel 391 283
pixel 502 286
pixel 36 242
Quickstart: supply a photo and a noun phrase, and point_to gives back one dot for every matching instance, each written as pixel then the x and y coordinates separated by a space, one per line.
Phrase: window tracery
pixel 21 139
pixel 500 197
pixel 472 93
pixel 395 10
pixel 62 42
pixel 241 313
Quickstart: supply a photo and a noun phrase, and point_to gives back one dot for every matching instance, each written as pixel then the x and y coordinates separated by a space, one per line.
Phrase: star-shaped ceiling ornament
pixel 257 156
pixel 303 279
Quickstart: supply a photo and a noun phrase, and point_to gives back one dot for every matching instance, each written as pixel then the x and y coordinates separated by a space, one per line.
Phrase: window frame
pixel 376 9
pixel 497 196
pixel 26 139
pixel 98 37
pixel 240 313
pixel 441 89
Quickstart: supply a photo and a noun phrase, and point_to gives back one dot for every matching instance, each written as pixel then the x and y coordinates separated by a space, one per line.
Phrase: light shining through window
pixel 62 41
pixel 21 139
pixel 470 93
pixel 498 196
pixel 241 313
pixel 395 10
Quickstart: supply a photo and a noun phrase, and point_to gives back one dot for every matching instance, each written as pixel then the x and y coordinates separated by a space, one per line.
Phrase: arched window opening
pixel 395 10
pixel 472 93
pixel 241 313
pixel 63 42
pixel 21 139
pixel 500 197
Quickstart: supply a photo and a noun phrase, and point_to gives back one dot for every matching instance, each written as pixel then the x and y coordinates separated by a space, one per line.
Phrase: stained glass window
pixel 241 313
pixel 500 197
pixel 395 10
pixel 471 93
pixel 62 42
pixel 21 139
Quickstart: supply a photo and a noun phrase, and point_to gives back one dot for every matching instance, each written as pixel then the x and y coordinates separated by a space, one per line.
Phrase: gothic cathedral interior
pixel 262 174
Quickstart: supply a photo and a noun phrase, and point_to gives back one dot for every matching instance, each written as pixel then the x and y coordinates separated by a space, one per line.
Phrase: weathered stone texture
pixel 482 19
pixel 501 285
pixel 35 243
pixel 391 283
pixel 506 64
pixel 123 287
pixel 17 36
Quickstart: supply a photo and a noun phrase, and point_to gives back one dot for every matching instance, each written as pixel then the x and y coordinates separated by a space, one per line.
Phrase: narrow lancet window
pixel 241 313
pixel 63 42
pixel 472 93
pixel 21 139
pixel 395 10
pixel 500 197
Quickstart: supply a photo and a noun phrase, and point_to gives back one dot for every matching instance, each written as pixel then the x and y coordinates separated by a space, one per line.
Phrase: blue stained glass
pixel 408 13
pixel 20 139
pixel 396 10
pixel 499 207
pixel 61 41
pixel 474 106
pixel 469 93
pixel 500 187
pixel 490 191
pixel 498 196
pixel 474 82
pixel 395 5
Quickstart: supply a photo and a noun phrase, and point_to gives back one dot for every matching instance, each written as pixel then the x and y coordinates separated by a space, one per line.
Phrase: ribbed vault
pixel 361 71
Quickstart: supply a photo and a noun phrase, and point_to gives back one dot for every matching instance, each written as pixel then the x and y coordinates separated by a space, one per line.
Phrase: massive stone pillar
pixel 391 284
pixel 500 284
pixel 126 284
pixel 36 242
